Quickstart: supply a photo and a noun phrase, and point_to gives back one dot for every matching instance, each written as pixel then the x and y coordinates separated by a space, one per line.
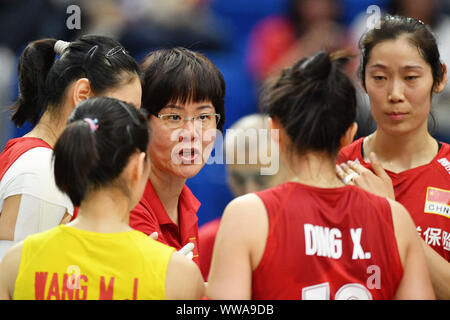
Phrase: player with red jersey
pixel 313 237
pixel 424 191
pixel 400 71
pixel 339 230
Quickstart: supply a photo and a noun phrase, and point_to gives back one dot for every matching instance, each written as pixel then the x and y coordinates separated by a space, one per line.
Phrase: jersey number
pixel 350 291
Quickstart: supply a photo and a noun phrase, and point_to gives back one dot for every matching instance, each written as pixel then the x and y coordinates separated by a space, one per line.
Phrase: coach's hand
pixel 154 235
pixel 187 250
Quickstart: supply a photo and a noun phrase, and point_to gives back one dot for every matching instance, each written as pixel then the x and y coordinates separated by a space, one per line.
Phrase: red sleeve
pixel 350 152
pixel 143 220
pixel 343 156
pixel 206 238
pixel 75 213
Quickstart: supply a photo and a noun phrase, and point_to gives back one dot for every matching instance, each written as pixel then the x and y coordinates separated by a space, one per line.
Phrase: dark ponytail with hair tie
pixel 317 66
pixel 43 80
pixel 75 152
pixel 34 65
pixel 315 102
pixel 89 155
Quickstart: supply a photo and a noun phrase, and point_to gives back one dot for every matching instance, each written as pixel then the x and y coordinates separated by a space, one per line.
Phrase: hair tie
pixel 115 50
pixel 93 123
pixel 60 46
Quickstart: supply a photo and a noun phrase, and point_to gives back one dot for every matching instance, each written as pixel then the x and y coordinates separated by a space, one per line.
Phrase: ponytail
pixel 43 81
pixel 34 66
pixel 75 157
pixel 101 135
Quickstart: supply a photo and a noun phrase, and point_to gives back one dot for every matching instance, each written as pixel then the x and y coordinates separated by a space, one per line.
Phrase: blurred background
pixel 249 41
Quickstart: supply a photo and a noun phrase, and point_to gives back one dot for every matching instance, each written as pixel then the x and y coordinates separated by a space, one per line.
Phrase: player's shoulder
pixel 400 216
pixel 249 202
pixel 35 161
pixel 443 155
pixel 243 212
pixel 149 244
pixel 443 159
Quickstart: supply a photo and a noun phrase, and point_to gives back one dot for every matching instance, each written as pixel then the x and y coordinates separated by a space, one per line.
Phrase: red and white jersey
pixel 17 147
pixel 424 191
pixel 26 169
pixel 334 243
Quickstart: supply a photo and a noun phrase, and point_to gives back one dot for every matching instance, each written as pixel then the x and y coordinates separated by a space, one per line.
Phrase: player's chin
pixel 189 170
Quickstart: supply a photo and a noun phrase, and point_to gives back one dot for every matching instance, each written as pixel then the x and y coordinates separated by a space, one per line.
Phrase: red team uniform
pixel 207 236
pixel 424 191
pixel 149 216
pixel 334 243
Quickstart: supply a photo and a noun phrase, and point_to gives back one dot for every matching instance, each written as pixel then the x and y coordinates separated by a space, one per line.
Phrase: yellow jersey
pixel 65 263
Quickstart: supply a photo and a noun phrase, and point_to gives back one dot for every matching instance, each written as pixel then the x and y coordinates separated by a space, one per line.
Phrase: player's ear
pixel 349 135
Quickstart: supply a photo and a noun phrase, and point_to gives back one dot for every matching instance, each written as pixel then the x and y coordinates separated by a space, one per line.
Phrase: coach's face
pixel 182 138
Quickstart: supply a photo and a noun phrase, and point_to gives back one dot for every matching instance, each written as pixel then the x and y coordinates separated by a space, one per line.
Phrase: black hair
pixel 91 157
pixel 43 80
pixel 418 33
pixel 181 75
pixel 314 101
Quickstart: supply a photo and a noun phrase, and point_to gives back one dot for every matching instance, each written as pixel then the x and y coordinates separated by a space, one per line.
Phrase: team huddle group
pixel 94 202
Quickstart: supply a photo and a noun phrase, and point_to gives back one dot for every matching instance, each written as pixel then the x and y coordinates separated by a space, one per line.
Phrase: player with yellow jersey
pixel 101 162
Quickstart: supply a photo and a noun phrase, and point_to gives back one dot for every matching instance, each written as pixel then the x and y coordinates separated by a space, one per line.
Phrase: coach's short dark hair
pixel 181 75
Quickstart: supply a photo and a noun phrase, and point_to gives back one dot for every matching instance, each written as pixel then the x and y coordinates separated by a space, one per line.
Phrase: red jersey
pixel 17 147
pixel 149 216
pixel 424 191
pixel 327 244
pixel 207 236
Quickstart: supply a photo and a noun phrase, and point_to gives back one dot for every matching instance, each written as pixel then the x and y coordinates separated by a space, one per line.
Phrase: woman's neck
pixel 106 210
pixel 48 129
pixel 315 169
pixel 168 189
pixel 398 153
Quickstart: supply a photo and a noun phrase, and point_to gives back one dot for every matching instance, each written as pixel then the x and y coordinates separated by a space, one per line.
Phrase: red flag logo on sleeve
pixel 438 202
